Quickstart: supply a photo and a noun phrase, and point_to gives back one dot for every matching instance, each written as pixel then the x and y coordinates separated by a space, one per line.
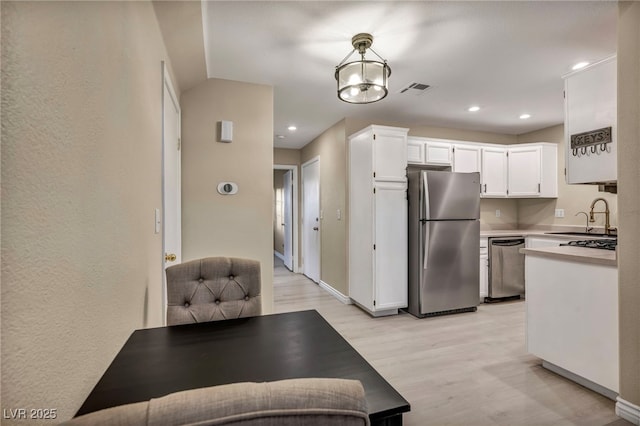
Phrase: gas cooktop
pixel 599 244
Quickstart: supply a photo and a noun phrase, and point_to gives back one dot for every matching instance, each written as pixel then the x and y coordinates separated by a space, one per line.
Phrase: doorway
pixel 311 219
pixel 171 195
pixel 285 224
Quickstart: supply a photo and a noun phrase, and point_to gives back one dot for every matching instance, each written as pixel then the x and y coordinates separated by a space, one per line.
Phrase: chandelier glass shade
pixel 362 81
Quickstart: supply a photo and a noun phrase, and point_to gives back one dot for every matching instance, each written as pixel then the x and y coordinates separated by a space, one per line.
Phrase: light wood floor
pixel 463 369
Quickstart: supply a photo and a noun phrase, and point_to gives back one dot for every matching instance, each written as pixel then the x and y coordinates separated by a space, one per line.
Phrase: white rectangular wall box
pixel 226 131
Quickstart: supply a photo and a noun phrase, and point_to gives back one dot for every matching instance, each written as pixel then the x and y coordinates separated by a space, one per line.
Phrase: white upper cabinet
pixel 494 172
pixel 590 123
pixel 438 153
pixel 515 171
pixel 532 170
pixel 389 153
pixel 524 171
pixel 467 158
pixel 431 152
pixel 415 151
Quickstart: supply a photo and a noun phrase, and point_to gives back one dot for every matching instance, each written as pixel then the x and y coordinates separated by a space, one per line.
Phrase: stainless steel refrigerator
pixel 444 242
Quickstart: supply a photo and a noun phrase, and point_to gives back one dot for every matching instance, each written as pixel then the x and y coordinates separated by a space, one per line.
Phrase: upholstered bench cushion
pixel 307 402
pixel 211 289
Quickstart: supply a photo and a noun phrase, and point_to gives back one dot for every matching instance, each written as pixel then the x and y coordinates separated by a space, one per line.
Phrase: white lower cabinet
pixel 572 319
pixel 484 269
pixel 390 256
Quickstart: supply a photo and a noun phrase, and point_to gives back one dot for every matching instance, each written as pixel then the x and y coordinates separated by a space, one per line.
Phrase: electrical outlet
pixel 338 214
pixel 559 212
pixel 498 213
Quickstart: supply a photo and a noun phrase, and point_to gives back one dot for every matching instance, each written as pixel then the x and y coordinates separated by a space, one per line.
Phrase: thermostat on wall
pixel 227 188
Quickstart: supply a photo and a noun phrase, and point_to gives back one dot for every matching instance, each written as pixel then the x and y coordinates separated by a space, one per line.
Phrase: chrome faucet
pixel 607 225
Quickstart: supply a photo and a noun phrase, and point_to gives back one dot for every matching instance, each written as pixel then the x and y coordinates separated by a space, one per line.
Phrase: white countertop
pixel 576 254
pixel 538 233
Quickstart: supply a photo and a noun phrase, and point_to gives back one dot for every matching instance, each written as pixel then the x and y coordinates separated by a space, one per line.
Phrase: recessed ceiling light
pixel 525 116
pixel 474 108
pixel 579 65
pixel 292 128
pixel 280 136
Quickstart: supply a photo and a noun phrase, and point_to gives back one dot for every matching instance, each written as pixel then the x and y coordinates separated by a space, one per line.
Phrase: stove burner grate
pixel 598 244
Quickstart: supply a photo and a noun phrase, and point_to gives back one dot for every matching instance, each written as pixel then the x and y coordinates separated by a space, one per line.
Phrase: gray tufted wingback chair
pixel 211 289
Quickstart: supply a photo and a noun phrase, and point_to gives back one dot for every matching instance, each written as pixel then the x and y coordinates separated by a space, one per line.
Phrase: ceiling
pixel 506 57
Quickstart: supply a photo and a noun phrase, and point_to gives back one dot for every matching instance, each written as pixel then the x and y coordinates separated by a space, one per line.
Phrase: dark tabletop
pixel 158 361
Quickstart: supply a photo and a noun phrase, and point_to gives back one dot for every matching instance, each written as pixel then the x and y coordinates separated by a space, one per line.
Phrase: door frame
pixel 294 216
pixel 166 82
pixel 302 168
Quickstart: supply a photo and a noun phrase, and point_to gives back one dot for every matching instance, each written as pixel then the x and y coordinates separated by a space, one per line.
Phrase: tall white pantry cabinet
pixel 378 219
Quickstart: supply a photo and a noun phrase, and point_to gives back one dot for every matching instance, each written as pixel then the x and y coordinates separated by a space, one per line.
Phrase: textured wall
pixel 229 225
pixel 331 148
pixel 629 198
pixel 571 198
pixel 81 155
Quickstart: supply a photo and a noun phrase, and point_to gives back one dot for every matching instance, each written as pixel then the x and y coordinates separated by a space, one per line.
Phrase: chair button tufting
pixel 186 304
pixel 217 301
pixel 230 277
pixel 201 280
pixel 246 297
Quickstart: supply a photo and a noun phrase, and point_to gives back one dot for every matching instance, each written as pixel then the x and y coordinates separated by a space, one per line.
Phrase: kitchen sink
pixel 586 234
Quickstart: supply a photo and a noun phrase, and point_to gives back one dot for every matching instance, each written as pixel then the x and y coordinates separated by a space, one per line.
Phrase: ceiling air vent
pixel 415 89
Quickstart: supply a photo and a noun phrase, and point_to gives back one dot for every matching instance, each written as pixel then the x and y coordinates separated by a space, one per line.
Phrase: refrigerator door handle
pixel 425 199
pixel 425 245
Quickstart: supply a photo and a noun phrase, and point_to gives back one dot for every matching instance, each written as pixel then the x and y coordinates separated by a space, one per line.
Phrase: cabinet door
pixel 484 277
pixel 438 153
pixel 466 159
pixel 484 269
pixel 391 252
pixel 415 152
pixel 390 157
pixel 590 104
pixel 494 172
pixel 524 171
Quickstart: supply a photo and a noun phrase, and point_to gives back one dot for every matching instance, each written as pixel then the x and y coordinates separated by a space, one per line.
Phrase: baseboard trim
pixel 612 395
pixel 628 411
pixel 335 293
pixel 278 255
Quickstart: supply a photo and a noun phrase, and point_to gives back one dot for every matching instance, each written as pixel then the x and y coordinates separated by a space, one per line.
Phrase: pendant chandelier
pixel 362 81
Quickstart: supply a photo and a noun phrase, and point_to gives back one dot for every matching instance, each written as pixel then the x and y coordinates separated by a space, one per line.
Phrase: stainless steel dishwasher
pixel 506 269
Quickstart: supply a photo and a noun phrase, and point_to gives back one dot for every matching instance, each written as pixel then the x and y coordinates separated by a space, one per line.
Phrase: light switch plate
pixel 158 221
pixel 338 214
pixel 559 212
pixel 498 214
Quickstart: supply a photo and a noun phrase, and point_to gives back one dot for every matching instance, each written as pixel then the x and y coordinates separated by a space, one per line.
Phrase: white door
pixel 172 232
pixel 311 219
pixel 287 183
